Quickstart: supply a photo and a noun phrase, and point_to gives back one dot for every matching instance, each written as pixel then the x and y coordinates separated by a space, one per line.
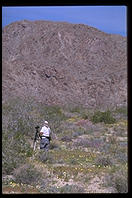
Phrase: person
pixel 45 136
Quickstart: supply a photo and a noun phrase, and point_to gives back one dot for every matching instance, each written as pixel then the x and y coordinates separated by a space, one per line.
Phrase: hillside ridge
pixel 62 63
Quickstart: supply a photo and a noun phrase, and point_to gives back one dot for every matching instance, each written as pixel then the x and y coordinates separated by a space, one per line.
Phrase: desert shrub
pixel 15 149
pixel 66 189
pixel 43 183
pixel 52 189
pixel 73 161
pixel 121 156
pixel 105 148
pixel 93 143
pixel 75 109
pixel 85 116
pixel 105 117
pixel 80 131
pixel 24 115
pixel 112 139
pixel 120 183
pixel 118 180
pixel 54 115
pixel 71 189
pixel 66 138
pixel 77 133
pixel 27 174
pixel 42 156
pixel 45 157
pixel 54 145
pixel 51 113
pixel 19 118
pixel 121 110
pixel 103 161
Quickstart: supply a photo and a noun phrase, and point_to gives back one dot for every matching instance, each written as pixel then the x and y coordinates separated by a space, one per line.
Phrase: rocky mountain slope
pixel 62 63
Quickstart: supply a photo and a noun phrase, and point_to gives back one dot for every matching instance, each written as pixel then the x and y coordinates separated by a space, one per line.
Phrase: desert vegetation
pixel 88 147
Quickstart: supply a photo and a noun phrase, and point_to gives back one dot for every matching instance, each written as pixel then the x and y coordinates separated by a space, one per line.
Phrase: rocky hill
pixel 62 63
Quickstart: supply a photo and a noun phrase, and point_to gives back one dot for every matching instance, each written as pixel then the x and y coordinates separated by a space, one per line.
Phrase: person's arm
pixel 41 133
pixel 50 134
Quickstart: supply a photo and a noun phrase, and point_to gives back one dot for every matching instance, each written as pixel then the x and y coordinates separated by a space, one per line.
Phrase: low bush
pixel 75 109
pixel 112 139
pixel 118 180
pixel 45 157
pixel 66 138
pixel 27 174
pixel 15 150
pixel 121 156
pixel 73 161
pixel 66 189
pixel 103 161
pixel 121 110
pixel 53 114
pixel 85 116
pixel 71 189
pixel 54 145
pixel 52 189
pixel 120 183
pixel 80 131
pixel 105 117
pixel 96 143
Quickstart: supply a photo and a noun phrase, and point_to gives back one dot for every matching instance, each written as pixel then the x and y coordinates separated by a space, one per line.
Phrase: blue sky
pixel 110 19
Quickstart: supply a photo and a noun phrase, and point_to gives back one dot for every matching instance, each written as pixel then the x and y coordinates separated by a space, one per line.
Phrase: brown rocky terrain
pixel 62 63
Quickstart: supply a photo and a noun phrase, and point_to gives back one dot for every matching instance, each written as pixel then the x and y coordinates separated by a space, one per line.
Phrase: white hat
pixel 45 122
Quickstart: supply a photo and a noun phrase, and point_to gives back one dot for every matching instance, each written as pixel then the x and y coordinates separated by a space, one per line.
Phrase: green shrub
pixel 85 116
pixel 75 109
pixel 105 117
pixel 121 110
pixel 53 114
pixel 15 150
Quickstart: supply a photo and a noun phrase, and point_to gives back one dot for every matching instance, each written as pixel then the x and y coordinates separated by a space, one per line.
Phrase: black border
pixel 62 3
pixel 84 3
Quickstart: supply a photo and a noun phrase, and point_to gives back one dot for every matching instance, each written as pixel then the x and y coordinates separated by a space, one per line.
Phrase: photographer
pixel 45 135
